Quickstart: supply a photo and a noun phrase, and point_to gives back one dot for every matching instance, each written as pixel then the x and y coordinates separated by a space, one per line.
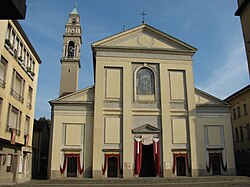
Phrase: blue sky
pixel 220 66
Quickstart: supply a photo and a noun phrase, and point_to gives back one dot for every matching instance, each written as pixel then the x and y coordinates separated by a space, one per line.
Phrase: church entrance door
pixel 72 167
pixel 216 165
pixel 181 166
pixel 112 167
pixel 148 164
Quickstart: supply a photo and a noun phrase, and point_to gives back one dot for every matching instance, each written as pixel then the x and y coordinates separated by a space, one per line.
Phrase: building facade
pixel 40 148
pixel 19 67
pixel 143 117
pixel 244 12
pixel 240 102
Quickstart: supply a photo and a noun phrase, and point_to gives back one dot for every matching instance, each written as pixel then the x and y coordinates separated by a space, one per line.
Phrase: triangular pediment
pixel 203 98
pixel 84 95
pixel 146 129
pixel 144 37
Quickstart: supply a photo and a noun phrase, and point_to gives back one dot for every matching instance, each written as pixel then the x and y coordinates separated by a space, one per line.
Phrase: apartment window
pixel 248 131
pixel 241 134
pixel 30 67
pixel 18 84
pixel 12 38
pixel 29 99
pixel 8 33
pixel 9 162
pixel 3 71
pixel 236 134
pixel 26 131
pixel 238 110
pixel 16 47
pixel 234 113
pixel 245 108
pixel 14 119
pixel 33 66
pixel 25 57
pixel 1 104
pixel 27 125
pixel 30 63
pixel 1 161
pixel 20 52
pixel 27 60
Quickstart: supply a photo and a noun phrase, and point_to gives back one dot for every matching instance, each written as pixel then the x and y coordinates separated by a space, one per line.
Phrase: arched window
pixel 145 82
pixel 71 49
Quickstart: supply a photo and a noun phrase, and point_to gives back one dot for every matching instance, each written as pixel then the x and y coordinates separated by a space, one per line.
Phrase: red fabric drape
pixel 107 156
pixel 64 165
pixel 80 169
pixel 156 146
pixel 180 155
pixel 208 167
pixel 13 136
pixel 138 156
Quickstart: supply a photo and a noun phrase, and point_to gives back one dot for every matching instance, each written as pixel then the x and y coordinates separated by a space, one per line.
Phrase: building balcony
pixel 17 95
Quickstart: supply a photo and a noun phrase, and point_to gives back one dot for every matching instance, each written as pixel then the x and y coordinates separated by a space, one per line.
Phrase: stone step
pixel 147 180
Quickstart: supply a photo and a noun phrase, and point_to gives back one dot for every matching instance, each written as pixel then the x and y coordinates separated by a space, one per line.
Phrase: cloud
pixel 229 76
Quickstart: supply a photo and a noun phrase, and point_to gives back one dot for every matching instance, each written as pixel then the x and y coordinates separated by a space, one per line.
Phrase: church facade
pixel 143 117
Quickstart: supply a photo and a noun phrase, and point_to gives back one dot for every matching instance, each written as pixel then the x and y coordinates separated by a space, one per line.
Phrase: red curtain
pixel 157 158
pixel 26 140
pixel 180 155
pixel 137 156
pixel 13 136
pixel 224 167
pixel 107 156
pixel 80 169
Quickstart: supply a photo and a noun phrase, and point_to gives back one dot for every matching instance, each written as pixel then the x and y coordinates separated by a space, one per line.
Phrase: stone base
pixel 55 174
pixel 231 172
pixel 167 173
pixel 97 174
pixel 128 174
pixel 203 172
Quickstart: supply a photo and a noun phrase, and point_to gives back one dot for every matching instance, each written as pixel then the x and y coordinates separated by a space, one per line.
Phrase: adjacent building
pixel 240 102
pixel 19 67
pixel 40 148
pixel 13 9
pixel 244 12
pixel 143 117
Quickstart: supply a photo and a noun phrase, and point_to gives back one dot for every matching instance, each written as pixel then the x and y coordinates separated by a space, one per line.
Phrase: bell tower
pixel 70 61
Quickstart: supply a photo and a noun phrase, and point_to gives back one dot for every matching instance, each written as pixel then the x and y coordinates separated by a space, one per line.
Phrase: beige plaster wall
pixel 9 99
pixel 74 142
pixel 131 115
pixel 214 122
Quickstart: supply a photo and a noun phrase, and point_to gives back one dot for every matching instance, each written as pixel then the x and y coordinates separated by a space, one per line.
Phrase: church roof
pixel 208 100
pixel 85 95
pixel 236 94
pixel 149 31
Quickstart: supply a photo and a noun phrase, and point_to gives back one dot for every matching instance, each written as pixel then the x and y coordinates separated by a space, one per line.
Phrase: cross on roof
pixel 143 17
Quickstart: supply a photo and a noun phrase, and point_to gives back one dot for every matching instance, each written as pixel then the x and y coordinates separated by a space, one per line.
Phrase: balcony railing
pixel 17 95
pixel 19 59
pixel 10 129
pixel 29 106
pixel 2 83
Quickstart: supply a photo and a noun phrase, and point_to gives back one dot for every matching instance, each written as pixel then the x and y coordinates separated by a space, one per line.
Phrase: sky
pixel 220 66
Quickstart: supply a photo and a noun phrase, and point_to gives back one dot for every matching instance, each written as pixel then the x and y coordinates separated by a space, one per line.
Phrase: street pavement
pixel 224 181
